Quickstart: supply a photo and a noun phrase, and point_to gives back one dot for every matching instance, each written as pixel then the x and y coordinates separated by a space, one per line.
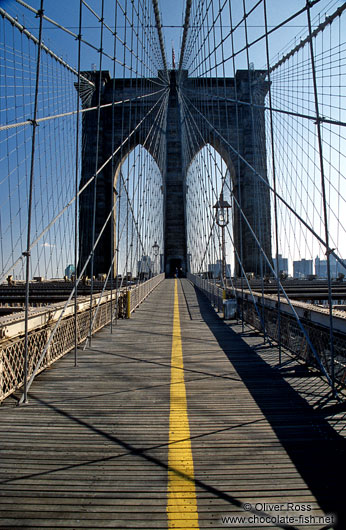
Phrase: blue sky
pixel 172 14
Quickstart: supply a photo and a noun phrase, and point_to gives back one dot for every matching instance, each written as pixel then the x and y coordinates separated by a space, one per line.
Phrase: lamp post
pixel 156 250
pixel 222 220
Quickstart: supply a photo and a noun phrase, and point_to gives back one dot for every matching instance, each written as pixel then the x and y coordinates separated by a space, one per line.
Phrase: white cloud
pixel 47 245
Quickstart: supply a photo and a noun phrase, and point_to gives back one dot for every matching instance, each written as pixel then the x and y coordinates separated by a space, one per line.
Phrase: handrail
pixel 142 290
pixel 212 291
pixel 315 323
pixel 43 320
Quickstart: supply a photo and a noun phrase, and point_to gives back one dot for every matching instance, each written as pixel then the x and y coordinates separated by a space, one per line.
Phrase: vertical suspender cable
pixel 253 139
pixel 121 173
pixel 76 189
pixel 240 220
pixel 95 179
pixel 32 167
pixel 113 190
pixel 274 177
pixel 324 198
pixel 131 115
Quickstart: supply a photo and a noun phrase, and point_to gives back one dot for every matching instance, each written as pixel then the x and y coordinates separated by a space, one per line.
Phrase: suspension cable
pixel 159 31
pixel 185 33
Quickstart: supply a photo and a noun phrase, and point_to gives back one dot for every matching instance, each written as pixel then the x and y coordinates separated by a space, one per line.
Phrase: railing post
pixel 223 300
pixel 1 376
pixel 128 304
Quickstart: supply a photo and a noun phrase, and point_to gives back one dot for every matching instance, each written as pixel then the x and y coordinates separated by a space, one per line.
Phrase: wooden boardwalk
pixel 91 449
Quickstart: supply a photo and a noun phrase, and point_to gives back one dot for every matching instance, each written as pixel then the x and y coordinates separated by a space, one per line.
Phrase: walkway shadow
pixel 144 453
pixel 314 447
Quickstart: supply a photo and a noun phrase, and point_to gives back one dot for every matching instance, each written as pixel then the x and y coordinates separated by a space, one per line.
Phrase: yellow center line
pixel 181 503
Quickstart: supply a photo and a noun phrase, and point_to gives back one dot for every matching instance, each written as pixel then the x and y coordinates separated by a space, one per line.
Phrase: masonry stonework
pixel 225 125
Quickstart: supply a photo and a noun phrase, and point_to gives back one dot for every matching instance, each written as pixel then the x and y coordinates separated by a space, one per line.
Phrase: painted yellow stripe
pixel 182 503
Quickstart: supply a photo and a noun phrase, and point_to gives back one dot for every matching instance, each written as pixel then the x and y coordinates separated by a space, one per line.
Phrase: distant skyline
pixel 307 266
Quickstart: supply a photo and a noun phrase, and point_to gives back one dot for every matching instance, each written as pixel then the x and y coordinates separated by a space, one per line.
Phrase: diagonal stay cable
pixel 81 111
pixel 51 21
pixel 89 181
pixel 30 36
pixel 48 343
pixel 295 314
pixel 239 102
pixel 216 132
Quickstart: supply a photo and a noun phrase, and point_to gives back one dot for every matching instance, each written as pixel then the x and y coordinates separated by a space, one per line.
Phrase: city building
pixel 302 268
pixel 188 262
pixel 283 264
pixel 162 263
pixel 215 269
pixel 144 266
pixel 335 267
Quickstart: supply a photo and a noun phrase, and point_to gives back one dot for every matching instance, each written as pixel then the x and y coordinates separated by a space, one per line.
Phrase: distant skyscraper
pixel 216 268
pixel 188 263
pixel 283 264
pixel 335 267
pixel 144 265
pixel 302 268
pixel 320 267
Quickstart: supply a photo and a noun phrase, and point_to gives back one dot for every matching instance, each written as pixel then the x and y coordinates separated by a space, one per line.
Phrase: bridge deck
pixel 93 447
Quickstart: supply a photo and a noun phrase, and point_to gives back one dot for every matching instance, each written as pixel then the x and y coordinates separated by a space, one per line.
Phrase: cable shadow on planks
pixel 314 447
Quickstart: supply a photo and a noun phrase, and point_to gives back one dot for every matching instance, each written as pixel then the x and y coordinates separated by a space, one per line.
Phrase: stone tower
pixel 226 125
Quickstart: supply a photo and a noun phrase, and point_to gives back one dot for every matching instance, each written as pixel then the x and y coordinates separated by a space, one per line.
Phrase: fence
pixel 290 335
pixel 43 323
pixel 213 292
pixel 141 291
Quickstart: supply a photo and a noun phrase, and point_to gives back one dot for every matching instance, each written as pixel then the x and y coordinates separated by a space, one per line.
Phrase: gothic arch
pixel 226 131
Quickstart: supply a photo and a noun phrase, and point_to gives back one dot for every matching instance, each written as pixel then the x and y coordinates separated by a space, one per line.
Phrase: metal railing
pixel 211 290
pixel 43 321
pixel 142 290
pixel 292 337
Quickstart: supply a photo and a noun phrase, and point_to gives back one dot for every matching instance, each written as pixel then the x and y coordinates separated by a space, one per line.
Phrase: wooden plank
pixel 90 449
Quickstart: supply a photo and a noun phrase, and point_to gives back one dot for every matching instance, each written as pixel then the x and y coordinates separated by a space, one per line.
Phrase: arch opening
pixel 210 247
pixel 138 215
pixel 128 220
